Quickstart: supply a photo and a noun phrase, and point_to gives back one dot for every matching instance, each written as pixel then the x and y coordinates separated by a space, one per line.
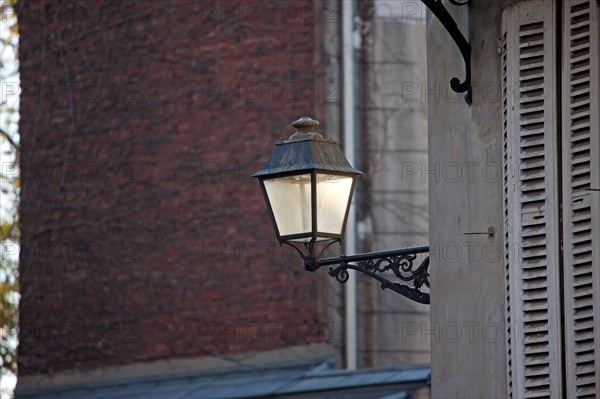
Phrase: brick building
pixel 146 247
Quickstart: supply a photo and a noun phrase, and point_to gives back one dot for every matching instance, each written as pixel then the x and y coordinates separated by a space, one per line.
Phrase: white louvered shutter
pixel 581 203
pixel 507 160
pixel 531 200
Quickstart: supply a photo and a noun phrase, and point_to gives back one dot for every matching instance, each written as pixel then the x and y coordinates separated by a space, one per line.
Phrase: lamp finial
pixel 306 130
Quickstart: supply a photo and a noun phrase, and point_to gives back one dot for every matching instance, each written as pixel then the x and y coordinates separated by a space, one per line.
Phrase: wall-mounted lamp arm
pixel 374 264
pixel 438 9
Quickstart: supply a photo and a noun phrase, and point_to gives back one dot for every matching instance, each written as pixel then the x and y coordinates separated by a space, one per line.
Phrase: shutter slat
pixel 581 152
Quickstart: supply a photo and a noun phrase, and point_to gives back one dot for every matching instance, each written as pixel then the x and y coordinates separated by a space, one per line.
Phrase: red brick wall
pixel 143 236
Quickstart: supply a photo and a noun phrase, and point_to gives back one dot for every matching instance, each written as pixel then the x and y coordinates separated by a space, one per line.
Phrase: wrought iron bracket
pixel 442 14
pixel 374 264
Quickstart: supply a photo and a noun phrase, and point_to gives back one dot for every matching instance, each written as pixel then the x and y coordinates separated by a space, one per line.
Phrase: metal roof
pixel 278 380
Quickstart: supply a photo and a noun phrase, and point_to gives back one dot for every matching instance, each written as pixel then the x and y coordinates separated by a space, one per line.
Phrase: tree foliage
pixel 9 186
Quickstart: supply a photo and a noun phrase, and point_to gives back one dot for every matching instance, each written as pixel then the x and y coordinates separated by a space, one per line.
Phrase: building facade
pixel 146 247
pixel 515 284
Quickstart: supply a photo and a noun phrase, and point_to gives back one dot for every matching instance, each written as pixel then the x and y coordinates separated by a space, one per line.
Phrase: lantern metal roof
pixel 306 150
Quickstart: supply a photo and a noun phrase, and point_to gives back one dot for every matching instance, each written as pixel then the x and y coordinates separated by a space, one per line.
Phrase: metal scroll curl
pixel 437 8
pixel 403 268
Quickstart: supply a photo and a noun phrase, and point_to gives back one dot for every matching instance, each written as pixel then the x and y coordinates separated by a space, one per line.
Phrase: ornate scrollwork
pixel 341 275
pixel 375 264
pixel 438 9
pixel 401 265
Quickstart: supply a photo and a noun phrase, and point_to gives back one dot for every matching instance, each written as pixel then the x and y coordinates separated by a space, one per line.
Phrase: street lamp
pixel 308 185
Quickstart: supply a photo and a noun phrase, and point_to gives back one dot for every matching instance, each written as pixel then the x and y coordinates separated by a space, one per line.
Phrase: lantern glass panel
pixel 333 194
pixel 290 199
